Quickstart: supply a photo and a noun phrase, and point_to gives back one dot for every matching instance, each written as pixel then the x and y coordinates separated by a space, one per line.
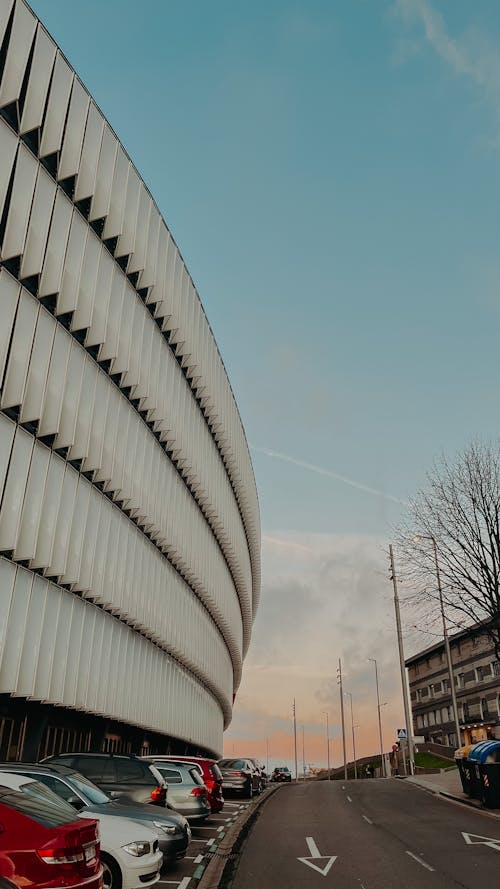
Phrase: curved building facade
pixel 129 521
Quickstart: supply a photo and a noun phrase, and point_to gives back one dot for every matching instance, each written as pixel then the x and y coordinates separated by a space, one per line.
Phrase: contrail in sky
pixel 328 472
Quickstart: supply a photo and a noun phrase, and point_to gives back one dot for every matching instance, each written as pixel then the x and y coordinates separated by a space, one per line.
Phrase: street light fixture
pixel 327 745
pixel 382 764
pixel 445 633
pixel 349 695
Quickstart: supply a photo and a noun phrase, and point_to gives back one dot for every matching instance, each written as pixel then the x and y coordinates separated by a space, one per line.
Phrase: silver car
pixel 186 791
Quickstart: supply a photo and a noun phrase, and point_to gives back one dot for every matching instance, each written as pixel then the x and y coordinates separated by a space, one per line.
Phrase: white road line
pixel 343 786
pixel 219 829
pixel 349 799
pixel 185 882
pixel 368 820
pixel 313 849
pixel 196 840
pixel 199 859
pixel 420 861
pixel 203 827
pixel 210 841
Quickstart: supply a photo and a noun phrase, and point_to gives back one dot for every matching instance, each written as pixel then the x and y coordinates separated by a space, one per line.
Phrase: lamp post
pixel 445 633
pixel 382 765
pixel 349 695
pixel 327 745
pixel 404 689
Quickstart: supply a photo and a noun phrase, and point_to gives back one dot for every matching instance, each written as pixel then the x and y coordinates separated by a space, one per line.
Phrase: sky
pixel 330 172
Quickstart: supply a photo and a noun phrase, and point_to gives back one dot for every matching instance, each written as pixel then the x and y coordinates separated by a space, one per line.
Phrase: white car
pixel 130 854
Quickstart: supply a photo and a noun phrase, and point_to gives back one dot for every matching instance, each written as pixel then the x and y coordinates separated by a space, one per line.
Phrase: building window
pixel 496 668
pixel 419 694
pixel 475 641
pixel 465 709
pixel 446 685
pixel 484 709
pixel 461 680
pixel 431 690
pixel 420 721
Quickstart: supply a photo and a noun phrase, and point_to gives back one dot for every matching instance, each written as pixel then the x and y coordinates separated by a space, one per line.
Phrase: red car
pixel 42 843
pixel 209 771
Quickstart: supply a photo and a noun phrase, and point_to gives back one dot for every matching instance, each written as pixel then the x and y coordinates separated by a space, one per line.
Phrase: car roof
pixel 38 766
pixel 84 753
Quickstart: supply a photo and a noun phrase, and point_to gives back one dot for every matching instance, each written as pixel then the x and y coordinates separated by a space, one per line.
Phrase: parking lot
pixel 204 843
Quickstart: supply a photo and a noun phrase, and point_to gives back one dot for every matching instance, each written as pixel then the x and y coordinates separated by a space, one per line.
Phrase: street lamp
pixel 327 745
pixel 445 633
pixel 349 695
pixel 382 764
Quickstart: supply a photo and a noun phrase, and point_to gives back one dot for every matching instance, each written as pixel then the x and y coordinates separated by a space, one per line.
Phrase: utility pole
pixel 382 764
pixel 348 694
pixel 339 680
pixel 267 756
pixel 295 740
pixel 409 725
pixel 303 755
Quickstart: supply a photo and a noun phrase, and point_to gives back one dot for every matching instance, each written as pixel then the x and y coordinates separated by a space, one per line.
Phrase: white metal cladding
pixel 152 487
pixel 59 649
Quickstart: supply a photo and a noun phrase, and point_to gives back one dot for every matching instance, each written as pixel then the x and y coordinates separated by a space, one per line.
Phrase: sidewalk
pixel 449 784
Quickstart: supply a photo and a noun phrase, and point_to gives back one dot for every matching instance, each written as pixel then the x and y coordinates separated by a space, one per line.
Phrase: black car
pixel 281 774
pixel 172 829
pixel 240 776
pixel 118 775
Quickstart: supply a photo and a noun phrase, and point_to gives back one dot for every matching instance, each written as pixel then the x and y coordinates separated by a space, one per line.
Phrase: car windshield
pixel 87 789
pixel 233 764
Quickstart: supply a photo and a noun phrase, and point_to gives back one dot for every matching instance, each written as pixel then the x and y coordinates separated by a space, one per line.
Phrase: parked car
pixel 186 792
pixel 129 852
pixel 281 773
pixel 118 775
pixel 262 773
pixel 240 776
pixel 209 771
pixel 171 829
pixel 43 843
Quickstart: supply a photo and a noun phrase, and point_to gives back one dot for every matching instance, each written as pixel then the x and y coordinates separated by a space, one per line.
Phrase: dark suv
pixel 118 775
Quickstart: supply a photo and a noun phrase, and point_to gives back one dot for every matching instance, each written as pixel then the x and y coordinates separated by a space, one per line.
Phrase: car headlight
pixel 139 848
pixel 166 828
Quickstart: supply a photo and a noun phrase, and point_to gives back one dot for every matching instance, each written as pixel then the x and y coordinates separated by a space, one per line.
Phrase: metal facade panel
pixel 21 38
pixel 15 486
pixel 31 407
pixel 57 105
pixel 87 172
pixel 8 150
pixel 19 355
pixel 38 226
pixel 69 160
pixel 101 199
pixel 38 84
pixel 20 204
pixel 53 262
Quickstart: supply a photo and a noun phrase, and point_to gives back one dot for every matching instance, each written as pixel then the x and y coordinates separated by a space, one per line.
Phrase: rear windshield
pixel 282 769
pixel 233 764
pixel 39 803
pixel 195 775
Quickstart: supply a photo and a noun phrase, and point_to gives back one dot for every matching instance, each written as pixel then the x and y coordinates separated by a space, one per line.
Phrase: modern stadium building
pixel 129 521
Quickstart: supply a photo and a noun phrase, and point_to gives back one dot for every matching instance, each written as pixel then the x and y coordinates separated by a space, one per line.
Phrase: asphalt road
pixel 384 834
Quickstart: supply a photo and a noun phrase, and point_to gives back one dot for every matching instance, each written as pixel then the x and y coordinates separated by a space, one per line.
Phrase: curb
pixel 465 800
pixel 223 855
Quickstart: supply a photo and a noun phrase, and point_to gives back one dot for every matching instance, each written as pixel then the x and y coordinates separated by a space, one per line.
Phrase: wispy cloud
pixel 311 467
pixel 471 54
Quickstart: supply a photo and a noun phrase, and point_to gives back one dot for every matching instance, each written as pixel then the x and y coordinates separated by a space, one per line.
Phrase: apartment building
pixel 476 672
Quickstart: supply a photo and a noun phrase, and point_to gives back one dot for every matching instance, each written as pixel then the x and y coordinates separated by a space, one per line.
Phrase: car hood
pixel 138 812
pixel 117 832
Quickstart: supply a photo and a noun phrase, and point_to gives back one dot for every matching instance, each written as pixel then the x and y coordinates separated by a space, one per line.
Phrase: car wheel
pixel 250 791
pixel 111 873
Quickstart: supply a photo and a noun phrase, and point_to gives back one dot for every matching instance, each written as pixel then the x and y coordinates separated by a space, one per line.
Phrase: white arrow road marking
pixel 475 839
pixel 317 857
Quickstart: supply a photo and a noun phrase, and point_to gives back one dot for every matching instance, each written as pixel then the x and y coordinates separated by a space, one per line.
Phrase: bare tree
pixel 460 510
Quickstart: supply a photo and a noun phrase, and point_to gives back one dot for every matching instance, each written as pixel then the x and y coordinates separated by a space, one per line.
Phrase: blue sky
pixel 331 173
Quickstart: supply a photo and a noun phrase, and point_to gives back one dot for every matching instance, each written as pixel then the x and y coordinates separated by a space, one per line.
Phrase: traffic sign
pixel 402 734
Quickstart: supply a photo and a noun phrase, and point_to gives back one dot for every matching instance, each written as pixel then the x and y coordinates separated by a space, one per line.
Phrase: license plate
pixel 90 853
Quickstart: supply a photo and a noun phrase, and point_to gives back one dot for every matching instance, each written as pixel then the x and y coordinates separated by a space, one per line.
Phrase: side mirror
pixel 76 802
